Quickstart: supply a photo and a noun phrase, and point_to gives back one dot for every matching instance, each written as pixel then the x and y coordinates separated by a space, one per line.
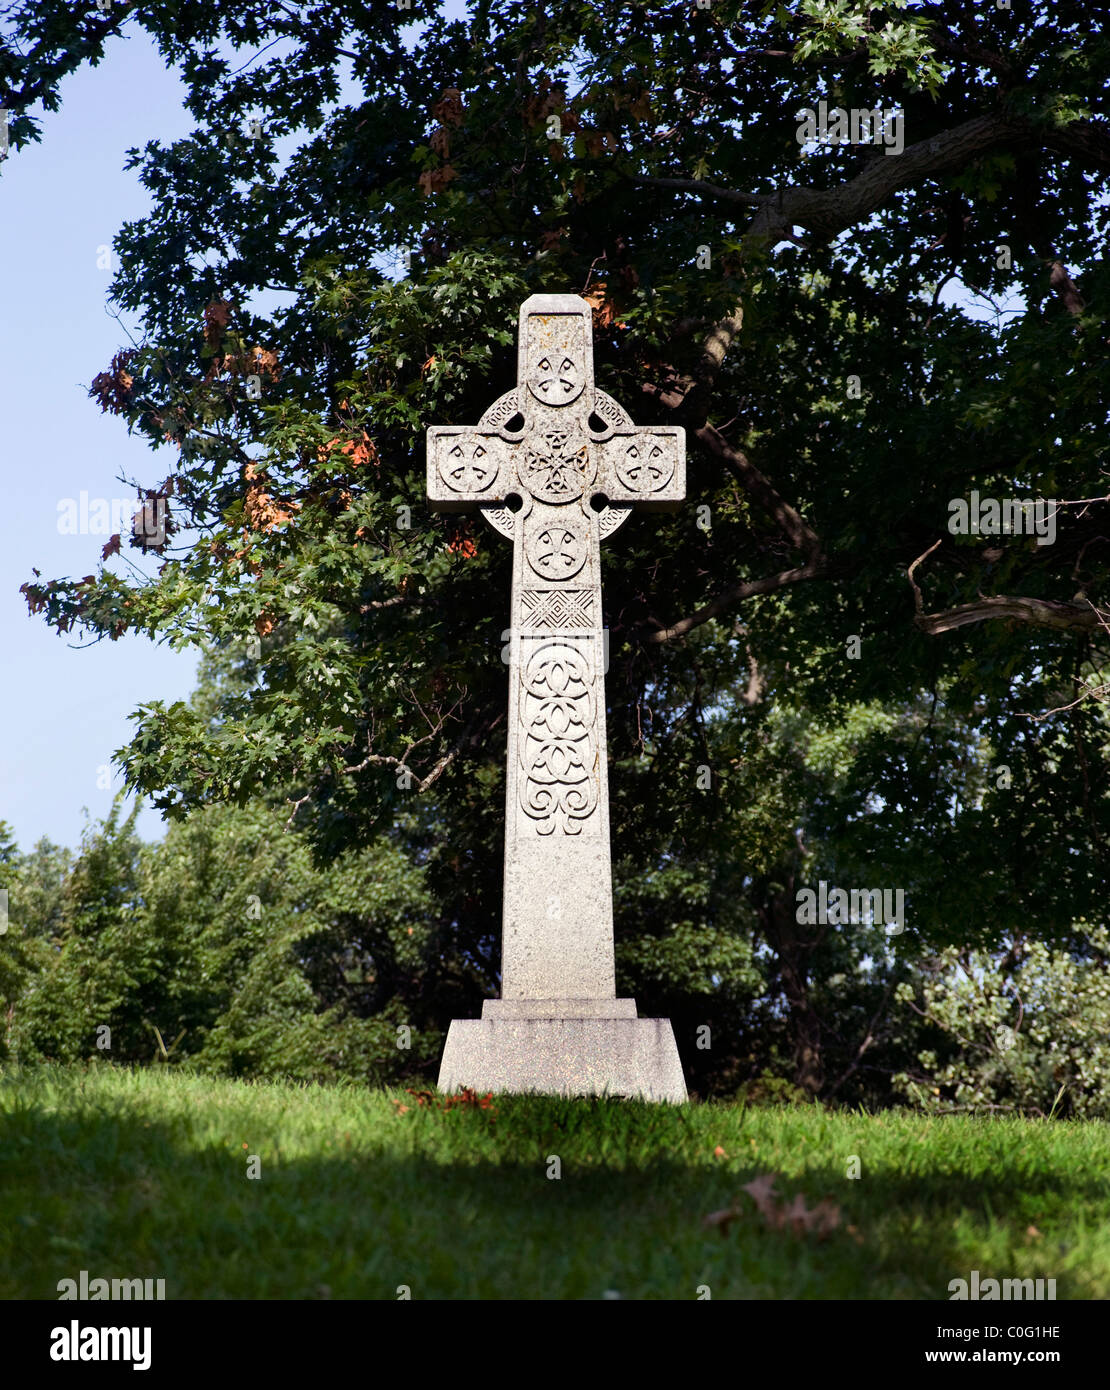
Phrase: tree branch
pixel 737 593
pixel 830 211
pixel 1034 612
pixel 797 530
pixel 705 190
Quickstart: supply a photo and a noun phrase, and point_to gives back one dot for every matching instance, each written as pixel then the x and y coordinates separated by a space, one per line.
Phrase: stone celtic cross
pixel 555 465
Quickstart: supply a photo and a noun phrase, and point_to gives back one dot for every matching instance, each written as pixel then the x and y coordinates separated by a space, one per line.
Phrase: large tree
pixel 782 301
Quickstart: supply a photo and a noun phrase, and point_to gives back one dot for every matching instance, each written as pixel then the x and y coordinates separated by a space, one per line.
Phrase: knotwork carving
pixel 557 467
pixel 558 751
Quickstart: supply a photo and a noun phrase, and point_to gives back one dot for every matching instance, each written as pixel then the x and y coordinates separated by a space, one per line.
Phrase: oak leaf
pixel 795 1216
pixel 449 108
pixel 113 387
pixel 216 318
pixel 824 1217
pixel 721 1219
pixel 762 1190
pixel 432 180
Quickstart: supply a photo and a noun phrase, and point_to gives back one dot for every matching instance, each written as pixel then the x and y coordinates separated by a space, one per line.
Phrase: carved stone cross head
pixel 555 446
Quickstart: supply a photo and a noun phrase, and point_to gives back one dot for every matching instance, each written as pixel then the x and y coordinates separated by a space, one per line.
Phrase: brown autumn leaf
pixel 113 387
pixel 263 361
pixel 546 100
pixel 449 108
pixel 266 514
pixel 216 318
pixel 111 547
pixel 264 624
pixel 152 524
pixel 824 1218
pixel 443 176
pixel 440 142
pixel 721 1219
pixel 762 1191
pixel 795 1217
pixel 359 451
pixel 718 1152
pixel 821 1219
pixel 605 309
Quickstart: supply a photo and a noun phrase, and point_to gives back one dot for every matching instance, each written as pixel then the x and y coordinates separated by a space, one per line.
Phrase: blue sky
pixel 65 710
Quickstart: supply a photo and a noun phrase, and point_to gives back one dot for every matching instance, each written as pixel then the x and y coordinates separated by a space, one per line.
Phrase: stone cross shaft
pixel 555 465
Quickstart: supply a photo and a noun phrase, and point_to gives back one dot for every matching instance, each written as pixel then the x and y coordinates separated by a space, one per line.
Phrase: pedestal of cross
pixel 556 465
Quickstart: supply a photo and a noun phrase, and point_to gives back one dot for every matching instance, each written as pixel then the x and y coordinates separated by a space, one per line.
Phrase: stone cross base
pixel 616 1054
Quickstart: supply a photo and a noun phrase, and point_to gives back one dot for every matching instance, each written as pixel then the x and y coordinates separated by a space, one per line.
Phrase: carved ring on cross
pixel 560 468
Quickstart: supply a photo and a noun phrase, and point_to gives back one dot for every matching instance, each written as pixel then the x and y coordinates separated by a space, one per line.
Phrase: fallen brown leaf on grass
pixel 798 1218
pixel 761 1191
pixel 721 1219
pixel 464 1099
pixel 824 1218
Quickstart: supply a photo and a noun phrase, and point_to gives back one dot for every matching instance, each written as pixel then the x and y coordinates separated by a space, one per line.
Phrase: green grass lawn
pixel 144 1173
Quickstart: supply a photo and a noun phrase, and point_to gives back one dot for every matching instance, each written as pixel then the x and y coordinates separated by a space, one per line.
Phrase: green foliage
pixel 225 948
pixel 33 886
pixel 103 969
pixel 1028 1033
pixel 769 1089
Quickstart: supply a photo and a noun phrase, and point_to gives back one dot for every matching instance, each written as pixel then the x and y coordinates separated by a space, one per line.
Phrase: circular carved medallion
pixel 556 550
pixel 467 466
pixel 646 466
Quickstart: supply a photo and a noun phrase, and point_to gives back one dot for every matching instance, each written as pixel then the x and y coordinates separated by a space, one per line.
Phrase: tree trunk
pixel 793 948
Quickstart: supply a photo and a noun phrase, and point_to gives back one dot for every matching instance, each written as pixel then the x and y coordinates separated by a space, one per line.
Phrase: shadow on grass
pixel 126 1198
